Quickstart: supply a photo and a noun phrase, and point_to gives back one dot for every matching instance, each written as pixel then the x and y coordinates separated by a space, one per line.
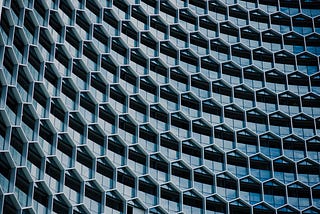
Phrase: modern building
pixel 145 106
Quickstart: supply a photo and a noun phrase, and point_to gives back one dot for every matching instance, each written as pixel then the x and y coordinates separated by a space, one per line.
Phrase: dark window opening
pixel 126 179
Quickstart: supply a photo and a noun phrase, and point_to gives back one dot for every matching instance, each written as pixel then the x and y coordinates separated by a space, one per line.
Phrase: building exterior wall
pixel 145 106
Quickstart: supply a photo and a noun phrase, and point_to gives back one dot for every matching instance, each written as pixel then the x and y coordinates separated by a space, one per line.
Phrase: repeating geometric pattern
pixel 182 106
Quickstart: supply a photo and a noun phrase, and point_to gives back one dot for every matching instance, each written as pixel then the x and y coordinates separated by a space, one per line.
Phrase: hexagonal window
pixel 180 125
pixel 244 96
pixel 180 175
pixel 207 26
pixel 192 202
pixel 272 40
pixel 280 124
pixel 260 167
pixel 289 103
pixel 262 58
pixel 250 190
pixel 298 83
pixel 224 137
pixel 270 145
pixel 199 43
pixel 241 54
pixel 274 193
pixel 247 142
pixel 93 197
pixel 313 148
pixel 6 175
pixel 159 168
pixel 231 73
pixel 237 164
pixel 287 210
pixel 280 22
pixel 253 77
pixel 137 160
pixel 200 86
pixel 114 202
pixel 227 186
pixel 250 36
pixel 211 111
pixel 316 195
pixel 179 79
pixel 311 104
pixel 170 198
pixel 257 121
pixel 214 204
pixel 222 92
pixel 126 182
pixel 266 100
pixel 302 24
pixel 105 173
pixel 263 208
pixel 220 50
pixel 312 44
pixel 148 191
pixel 169 146
pixel 190 105
pixel 214 159
pixel 239 207
pixel 210 67
pixel 202 131
pixel 284 61
pixel 234 116
pixel 307 63
pixel 284 170
pixel 294 148
pixel 275 81
pixel 299 195
pixel 203 181
pixel 303 126
pixel 191 153
pixel 135 206
pixel 308 172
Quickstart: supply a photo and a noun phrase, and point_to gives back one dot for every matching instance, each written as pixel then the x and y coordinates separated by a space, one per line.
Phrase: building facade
pixel 145 106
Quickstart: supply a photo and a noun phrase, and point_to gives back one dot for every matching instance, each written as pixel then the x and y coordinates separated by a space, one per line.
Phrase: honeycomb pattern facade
pixel 145 106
